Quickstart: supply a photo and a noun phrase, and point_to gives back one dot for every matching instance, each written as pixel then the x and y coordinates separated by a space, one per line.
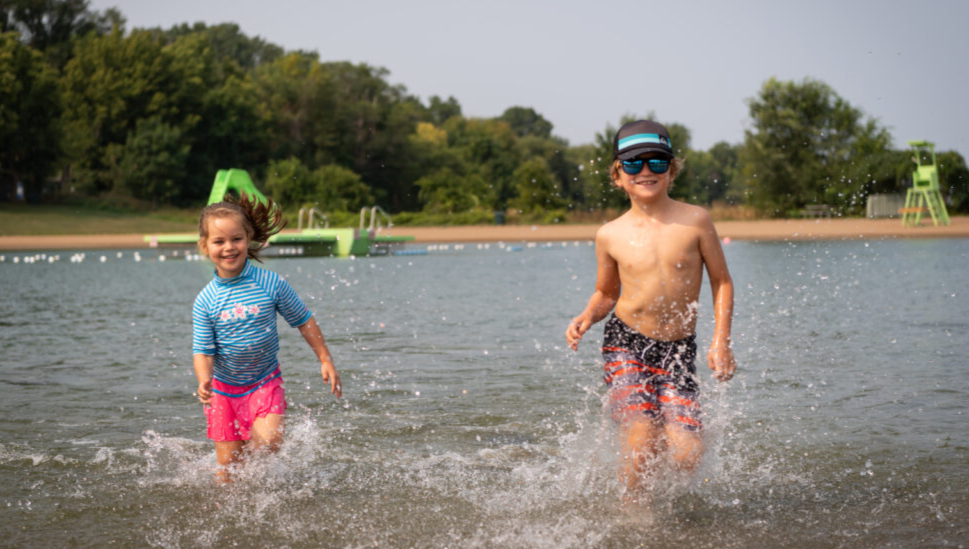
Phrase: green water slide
pixel 233 180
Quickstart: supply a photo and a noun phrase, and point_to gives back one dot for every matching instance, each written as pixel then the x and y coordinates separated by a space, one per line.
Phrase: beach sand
pixel 769 230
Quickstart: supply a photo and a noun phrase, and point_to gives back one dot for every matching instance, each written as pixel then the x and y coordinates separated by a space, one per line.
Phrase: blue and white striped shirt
pixel 235 321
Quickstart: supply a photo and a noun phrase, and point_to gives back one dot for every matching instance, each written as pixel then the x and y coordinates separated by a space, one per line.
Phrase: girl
pixel 235 340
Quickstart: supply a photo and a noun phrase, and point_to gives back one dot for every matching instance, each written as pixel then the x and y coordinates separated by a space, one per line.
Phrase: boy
pixel 650 268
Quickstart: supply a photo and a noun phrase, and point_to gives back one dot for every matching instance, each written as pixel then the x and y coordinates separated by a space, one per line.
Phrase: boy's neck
pixel 651 208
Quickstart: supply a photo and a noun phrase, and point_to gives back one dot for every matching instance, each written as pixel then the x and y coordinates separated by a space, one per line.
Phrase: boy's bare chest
pixel 656 255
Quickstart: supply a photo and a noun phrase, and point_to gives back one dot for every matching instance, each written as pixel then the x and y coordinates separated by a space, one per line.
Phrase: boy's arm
pixel 720 357
pixel 310 331
pixel 204 366
pixel 608 287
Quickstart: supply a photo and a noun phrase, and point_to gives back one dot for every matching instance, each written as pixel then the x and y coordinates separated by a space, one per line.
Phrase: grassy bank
pixel 92 218
pixel 28 220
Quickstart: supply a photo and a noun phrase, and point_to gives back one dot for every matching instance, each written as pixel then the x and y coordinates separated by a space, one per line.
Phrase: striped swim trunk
pixel 650 378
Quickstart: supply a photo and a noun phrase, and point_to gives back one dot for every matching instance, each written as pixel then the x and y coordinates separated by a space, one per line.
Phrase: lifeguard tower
pixel 925 194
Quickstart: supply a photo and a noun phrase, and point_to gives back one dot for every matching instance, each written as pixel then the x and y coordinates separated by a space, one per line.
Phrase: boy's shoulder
pixel 691 215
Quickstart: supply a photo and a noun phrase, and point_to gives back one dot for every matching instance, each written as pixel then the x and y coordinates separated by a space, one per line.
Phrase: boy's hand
pixel 578 326
pixel 720 359
pixel 330 376
pixel 205 391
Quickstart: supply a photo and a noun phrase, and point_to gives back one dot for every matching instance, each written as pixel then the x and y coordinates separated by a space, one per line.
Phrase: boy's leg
pixel 267 432
pixel 641 441
pixel 685 447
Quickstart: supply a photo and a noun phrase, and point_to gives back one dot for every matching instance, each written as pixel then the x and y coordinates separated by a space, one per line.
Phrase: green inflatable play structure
pixel 312 241
pixel 233 181
pixel 925 196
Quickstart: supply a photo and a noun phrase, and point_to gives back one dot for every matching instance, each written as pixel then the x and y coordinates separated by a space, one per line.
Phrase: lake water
pixel 466 422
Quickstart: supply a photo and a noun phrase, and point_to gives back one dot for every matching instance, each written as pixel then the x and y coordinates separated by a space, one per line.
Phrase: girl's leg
pixel 267 432
pixel 227 453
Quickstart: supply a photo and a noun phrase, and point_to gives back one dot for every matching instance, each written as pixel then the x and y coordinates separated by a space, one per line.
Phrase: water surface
pixel 467 422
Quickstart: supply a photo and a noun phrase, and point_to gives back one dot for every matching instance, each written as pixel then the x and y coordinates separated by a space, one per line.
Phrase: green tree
pixel 564 169
pixel 297 99
pixel 29 112
pixel 537 190
pixel 807 145
pixel 229 44
pixel 340 189
pixel 597 186
pixel 330 188
pixel 490 146
pixel 710 173
pixel 524 121
pixel 151 163
pixel 445 191
pixel 51 26
pixel 290 183
pixel 373 120
pixel 220 114
pixel 954 180
pixel 440 110
pixel 112 82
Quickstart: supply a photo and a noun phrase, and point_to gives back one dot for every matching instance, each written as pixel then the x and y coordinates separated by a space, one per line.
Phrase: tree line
pixel 90 109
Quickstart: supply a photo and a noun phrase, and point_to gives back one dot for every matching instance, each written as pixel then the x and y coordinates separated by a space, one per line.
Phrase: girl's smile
pixel 227 246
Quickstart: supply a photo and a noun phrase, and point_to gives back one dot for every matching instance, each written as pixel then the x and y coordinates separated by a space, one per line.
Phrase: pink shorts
pixel 231 418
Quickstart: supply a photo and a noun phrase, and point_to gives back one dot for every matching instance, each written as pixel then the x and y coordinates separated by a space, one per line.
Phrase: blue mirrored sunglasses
pixel 656 165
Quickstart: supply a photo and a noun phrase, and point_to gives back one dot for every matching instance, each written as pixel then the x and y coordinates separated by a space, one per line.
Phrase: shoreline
pixel 762 230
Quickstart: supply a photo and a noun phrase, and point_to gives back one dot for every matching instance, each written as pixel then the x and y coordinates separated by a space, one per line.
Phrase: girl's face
pixel 227 245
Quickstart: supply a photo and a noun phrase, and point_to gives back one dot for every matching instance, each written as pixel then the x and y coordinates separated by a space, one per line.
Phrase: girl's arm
pixel 608 287
pixel 310 331
pixel 204 366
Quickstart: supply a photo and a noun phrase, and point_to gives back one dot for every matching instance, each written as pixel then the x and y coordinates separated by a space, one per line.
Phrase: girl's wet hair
pixel 261 220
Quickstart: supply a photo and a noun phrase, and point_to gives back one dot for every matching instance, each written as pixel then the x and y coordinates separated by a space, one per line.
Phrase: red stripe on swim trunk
pixel 666 399
pixel 639 407
pixel 650 369
pixel 621 372
pixel 623 392
pixel 616 350
pixel 689 421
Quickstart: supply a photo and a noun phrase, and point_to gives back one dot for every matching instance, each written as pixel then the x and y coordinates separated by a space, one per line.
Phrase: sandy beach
pixel 783 229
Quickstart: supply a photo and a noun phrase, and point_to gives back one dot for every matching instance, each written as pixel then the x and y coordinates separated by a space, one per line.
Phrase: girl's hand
pixel 205 391
pixel 330 376
pixel 578 326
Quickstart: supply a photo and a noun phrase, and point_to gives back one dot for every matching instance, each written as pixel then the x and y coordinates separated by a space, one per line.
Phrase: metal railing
pixel 374 220
pixel 312 215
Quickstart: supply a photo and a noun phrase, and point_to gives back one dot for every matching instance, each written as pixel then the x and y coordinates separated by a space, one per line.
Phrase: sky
pixel 584 65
